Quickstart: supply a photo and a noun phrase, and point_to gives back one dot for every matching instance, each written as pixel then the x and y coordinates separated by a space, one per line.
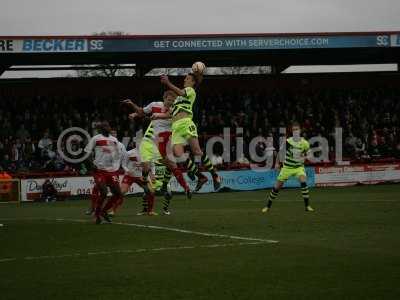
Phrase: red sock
pixel 94 197
pixel 118 203
pixel 99 205
pixel 150 202
pixel 179 177
pixel 111 202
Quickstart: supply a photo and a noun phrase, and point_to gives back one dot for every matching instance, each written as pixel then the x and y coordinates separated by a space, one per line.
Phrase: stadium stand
pixel 260 106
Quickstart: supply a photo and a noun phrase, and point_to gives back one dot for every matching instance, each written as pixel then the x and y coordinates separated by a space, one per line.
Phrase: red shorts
pixel 129 180
pixel 163 141
pixel 106 178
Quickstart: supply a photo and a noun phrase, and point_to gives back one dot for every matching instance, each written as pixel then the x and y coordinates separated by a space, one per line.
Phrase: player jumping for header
pixel 184 131
pixel 155 144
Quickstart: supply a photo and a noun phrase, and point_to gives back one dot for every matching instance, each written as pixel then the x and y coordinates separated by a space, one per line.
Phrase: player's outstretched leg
pixel 172 168
pixel 179 154
pixel 201 179
pixel 166 203
pixel 93 201
pixel 272 195
pixel 202 157
pixel 145 207
pixel 150 202
pixel 166 179
pixel 306 196
pixel 115 198
pixel 167 200
pixel 166 190
pixel 210 168
pixel 194 170
pixel 102 192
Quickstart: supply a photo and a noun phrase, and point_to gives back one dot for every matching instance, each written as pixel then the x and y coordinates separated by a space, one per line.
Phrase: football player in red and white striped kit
pixel 95 192
pixel 133 174
pixel 107 161
pixel 156 140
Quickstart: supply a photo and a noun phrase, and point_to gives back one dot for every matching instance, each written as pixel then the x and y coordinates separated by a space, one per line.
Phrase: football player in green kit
pixel 293 165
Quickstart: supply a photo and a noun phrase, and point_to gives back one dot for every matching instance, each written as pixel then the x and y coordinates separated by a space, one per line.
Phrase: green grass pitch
pixel 348 249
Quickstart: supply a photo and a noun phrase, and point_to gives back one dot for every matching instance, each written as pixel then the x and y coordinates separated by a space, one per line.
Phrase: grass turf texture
pixel 347 249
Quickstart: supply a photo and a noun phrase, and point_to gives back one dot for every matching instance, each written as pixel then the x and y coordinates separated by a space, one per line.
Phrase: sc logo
pixel 96 45
pixel 382 40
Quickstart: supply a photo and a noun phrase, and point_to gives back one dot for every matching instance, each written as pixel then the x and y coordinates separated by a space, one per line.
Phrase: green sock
pixel 207 164
pixel 166 178
pixel 272 196
pixel 306 194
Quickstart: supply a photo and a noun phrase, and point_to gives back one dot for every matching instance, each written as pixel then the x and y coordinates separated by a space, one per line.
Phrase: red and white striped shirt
pixel 107 152
pixel 159 125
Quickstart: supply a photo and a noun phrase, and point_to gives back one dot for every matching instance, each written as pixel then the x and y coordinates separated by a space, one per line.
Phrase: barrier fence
pixel 239 180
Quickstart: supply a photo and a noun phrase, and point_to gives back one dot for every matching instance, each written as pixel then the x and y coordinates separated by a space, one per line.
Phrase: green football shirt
pixel 184 103
pixel 295 152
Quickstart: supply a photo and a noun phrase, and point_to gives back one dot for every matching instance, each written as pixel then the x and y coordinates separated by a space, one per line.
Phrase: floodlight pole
pixel 277 69
pixel 141 71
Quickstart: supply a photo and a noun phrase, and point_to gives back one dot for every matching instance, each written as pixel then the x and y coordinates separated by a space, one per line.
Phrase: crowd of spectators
pixel 369 118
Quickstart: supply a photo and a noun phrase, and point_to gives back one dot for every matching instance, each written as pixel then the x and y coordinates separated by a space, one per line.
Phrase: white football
pixel 198 67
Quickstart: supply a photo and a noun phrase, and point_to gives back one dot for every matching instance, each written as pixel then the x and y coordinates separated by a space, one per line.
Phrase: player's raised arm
pixel 277 162
pixel 130 104
pixel 90 145
pixel 171 86
pixel 161 116
pixel 89 148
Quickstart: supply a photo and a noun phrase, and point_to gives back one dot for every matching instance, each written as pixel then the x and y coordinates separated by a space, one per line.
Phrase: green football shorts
pixel 148 151
pixel 182 130
pixel 286 172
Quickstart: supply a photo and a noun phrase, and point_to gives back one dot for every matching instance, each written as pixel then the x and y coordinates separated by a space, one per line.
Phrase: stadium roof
pixel 279 50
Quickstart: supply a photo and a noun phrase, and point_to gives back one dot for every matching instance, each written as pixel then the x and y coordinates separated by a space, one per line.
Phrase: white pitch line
pixel 7 259
pixel 233 237
pixel 44 257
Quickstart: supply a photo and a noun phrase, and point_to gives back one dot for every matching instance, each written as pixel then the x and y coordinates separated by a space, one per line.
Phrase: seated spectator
pixel 15 153
pixel 217 160
pixel 45 146
pixel 49 192
pixel 22 133
pixel 351 144
pixel 242 160
pixel 7 164
pixel 384 148
pixel 360 149
pixel 29 149
pixel 373 149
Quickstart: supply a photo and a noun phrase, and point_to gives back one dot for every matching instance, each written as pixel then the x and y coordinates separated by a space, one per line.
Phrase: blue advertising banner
pixel 43 45
pixel 246 180
pixel 193 43
pixel 244 43
pixel 395 40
